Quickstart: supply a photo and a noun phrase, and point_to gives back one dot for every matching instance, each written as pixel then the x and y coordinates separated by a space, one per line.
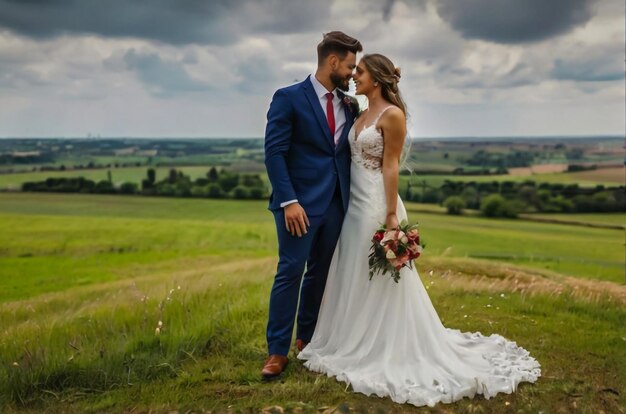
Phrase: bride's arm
pixel 393 127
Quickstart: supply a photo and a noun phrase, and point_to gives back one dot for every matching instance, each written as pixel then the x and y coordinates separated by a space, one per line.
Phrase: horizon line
pixel 552 136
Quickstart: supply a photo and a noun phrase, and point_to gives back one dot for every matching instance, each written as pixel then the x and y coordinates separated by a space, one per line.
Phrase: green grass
pixel 579 251
pixel 85 279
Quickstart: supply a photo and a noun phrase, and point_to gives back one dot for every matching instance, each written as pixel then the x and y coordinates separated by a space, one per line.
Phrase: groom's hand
pixel 296 219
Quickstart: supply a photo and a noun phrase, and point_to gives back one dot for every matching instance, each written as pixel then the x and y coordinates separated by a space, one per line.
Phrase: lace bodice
pixel 367 147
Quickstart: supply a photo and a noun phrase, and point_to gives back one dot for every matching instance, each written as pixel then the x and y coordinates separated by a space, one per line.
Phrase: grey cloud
pixel 284 16
pixel 587 71
pixel 387 9
pixel 257 73
pixel 162 78
pixel 464 78
pixel 17 78
pixel 168 21
pixel 514 21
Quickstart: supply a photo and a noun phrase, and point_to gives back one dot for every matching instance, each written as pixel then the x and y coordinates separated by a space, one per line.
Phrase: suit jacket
pixel 301 158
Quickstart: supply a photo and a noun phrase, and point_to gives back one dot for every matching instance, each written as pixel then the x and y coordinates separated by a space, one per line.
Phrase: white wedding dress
pixel 385 338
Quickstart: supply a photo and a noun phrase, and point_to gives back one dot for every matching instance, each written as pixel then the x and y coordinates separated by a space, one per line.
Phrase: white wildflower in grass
pixel 157 331
pixel 15 364
pixel 178 287
pixel 160 324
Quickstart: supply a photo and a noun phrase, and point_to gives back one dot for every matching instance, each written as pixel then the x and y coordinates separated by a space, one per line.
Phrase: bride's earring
pixel 375 84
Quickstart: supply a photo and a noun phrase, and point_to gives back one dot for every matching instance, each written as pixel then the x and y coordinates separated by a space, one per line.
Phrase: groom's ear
pixel 333 61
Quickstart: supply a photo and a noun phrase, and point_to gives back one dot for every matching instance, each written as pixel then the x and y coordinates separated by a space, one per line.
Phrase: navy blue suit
pixel 303 163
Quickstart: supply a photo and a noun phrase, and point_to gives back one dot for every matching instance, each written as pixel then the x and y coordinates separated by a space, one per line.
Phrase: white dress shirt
pixel 340 115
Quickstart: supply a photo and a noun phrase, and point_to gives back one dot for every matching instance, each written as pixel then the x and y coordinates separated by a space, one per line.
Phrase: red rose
pixel 378 236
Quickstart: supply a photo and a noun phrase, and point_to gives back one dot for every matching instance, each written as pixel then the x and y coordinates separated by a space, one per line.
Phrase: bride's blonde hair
pixel 387 75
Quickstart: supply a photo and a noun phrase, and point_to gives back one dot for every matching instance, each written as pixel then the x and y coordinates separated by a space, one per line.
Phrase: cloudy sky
pixel 194 68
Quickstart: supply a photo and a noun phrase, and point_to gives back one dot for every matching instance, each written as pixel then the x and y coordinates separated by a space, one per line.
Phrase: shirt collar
pixel 320 90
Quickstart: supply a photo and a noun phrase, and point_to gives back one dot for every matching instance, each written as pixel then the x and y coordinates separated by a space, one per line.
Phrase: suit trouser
pixel 315 250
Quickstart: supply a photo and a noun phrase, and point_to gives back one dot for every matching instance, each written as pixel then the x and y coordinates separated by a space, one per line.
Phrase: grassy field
pixel 579 251
pixel 84 281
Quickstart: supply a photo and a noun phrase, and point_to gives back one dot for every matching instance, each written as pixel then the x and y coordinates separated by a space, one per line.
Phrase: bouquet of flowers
pixel 394 249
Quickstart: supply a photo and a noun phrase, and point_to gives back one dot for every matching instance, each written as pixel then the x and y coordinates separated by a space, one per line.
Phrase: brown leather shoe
pixel 300 344
pixel 274 366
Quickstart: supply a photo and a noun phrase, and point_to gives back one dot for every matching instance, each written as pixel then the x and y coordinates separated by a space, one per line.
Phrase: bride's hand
pixel 392 221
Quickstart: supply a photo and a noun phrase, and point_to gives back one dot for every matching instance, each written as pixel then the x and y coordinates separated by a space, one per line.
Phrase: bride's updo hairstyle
pixel 387 75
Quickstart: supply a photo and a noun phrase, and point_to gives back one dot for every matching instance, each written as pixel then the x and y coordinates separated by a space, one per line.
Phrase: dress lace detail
pixel 367 147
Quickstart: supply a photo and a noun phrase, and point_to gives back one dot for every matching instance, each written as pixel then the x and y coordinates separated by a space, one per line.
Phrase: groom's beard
pixel 340 83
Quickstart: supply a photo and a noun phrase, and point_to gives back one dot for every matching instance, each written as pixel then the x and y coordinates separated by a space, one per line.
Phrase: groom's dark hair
pixel 337 43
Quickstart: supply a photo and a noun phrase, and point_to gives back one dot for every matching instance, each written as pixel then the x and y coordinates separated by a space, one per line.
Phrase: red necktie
pixel 330 114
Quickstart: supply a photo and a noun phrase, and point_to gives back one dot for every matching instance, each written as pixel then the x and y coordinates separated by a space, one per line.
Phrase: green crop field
pixel 85 279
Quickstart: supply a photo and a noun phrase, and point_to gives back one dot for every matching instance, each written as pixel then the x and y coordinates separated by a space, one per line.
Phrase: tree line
pixel 509 198
pixel 216 184
pixel 493 199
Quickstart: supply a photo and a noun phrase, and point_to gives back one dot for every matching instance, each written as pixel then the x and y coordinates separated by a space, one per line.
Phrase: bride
pixel 384 338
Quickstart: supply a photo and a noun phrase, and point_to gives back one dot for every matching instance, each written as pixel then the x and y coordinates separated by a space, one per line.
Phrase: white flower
pixel 390 255
pixel 404 239
pixel 160 324
pixel 157 331
pixel 389 235
pixel 15 364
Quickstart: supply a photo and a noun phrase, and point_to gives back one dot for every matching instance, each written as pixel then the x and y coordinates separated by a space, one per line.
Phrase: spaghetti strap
pixel 381 114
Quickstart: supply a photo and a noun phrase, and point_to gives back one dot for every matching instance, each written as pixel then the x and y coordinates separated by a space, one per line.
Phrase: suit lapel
pixel 349 121
pixel 309 91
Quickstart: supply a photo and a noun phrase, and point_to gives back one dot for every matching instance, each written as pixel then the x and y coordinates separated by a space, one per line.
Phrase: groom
pixel 307 157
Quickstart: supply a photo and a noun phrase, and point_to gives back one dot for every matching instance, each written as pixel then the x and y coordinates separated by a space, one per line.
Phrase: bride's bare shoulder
pixel 392 114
